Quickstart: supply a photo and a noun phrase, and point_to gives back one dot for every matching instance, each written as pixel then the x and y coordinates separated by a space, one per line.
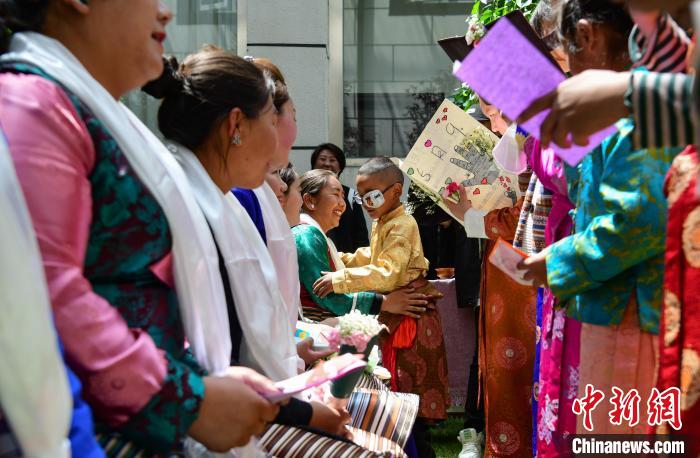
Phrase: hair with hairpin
pixel 199 94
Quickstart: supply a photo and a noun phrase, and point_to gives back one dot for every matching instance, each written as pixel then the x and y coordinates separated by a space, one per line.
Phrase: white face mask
pixel 508 154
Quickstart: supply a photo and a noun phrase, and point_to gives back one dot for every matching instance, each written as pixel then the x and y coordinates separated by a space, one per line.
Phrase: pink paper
pixel 324 372
pixel 510 72
pixel 506 258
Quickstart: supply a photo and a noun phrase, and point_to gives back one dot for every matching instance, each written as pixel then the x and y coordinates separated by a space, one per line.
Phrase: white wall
pixel 394 55
pixel 302 27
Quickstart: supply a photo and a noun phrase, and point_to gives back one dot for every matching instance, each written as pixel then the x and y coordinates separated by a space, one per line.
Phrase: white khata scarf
pixel 34 393
pixel 268 341
pixel 282 248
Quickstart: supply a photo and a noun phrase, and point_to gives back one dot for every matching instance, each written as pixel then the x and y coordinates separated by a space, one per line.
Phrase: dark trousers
pixel 474 408
pixel 423 440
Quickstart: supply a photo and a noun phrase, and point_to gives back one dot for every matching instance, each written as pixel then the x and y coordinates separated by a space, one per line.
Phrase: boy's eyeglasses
pixel 373 198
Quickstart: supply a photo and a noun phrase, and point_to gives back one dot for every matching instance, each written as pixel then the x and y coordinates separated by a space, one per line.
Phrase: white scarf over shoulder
pixel 268 341
pixel 282 248
pixel 196 264
pixel 34 392
pixel 308 219
pixel 335 256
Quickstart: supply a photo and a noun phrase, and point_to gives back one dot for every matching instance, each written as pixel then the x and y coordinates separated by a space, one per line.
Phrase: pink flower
pixel 358 340
pixel 333 338
pixel 453 187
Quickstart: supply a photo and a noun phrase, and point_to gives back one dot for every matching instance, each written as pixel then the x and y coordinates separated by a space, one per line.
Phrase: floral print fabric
pixel 680 329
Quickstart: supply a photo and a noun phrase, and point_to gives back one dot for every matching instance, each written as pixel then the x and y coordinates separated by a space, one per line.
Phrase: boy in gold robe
pixel 414 350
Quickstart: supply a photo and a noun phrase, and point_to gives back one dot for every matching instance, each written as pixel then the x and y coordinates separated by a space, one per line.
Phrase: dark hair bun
pixel 170 82
pixel 20 16
pixel 209 84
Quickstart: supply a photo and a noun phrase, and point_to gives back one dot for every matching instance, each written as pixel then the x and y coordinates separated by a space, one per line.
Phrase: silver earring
pixel 236 139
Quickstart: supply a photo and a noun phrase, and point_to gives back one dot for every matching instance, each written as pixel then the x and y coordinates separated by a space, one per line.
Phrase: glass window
pixel 195 23
pixel 395 74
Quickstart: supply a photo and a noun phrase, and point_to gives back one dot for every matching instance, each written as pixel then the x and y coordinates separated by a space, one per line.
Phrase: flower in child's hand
pixel 462 204
pixel 453 188
pixel 475 30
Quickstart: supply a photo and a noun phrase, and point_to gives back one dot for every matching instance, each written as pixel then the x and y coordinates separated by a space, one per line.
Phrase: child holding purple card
pixel 506 331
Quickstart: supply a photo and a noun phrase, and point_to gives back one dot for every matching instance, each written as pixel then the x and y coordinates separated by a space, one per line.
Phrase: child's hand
pixel 308 354
pixel 330 420
pixel 535 268
pixel 458 209
pixel 405 301
pixel 324 285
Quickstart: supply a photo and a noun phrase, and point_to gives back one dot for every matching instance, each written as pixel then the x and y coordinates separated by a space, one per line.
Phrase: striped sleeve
pixel 663 109
pixel 665 50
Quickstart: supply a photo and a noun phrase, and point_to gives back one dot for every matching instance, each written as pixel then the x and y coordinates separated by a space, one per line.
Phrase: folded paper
pixel 323 372
pixel 506 258
pixel 317 331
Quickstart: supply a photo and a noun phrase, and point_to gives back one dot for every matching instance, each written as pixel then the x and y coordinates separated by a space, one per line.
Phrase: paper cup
pixel 342 387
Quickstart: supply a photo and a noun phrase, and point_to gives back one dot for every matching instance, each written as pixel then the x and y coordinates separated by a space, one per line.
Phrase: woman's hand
pixel 257 382
pixel 231 412
pixel 324 285
pixel 308 354
pixel 580 107
pixel 458 209
pixel 330 420
pixel 405 301
pixel 535 268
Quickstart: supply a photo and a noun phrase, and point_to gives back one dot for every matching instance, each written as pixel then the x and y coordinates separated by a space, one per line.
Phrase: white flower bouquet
pixel 354 330
pixel 475 29
pixel 355 333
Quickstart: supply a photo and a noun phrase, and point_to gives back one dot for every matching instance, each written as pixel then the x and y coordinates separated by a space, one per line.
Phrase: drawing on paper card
pixel 455 149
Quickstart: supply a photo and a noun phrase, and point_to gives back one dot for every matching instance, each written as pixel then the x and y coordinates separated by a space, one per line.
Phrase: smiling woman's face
pixel 327 161
pixel 328 205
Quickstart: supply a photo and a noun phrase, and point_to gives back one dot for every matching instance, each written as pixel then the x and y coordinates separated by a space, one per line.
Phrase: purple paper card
pixel 510 72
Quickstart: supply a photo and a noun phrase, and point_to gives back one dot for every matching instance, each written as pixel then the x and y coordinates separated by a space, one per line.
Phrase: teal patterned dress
pixel 314 257
pixel 618 244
